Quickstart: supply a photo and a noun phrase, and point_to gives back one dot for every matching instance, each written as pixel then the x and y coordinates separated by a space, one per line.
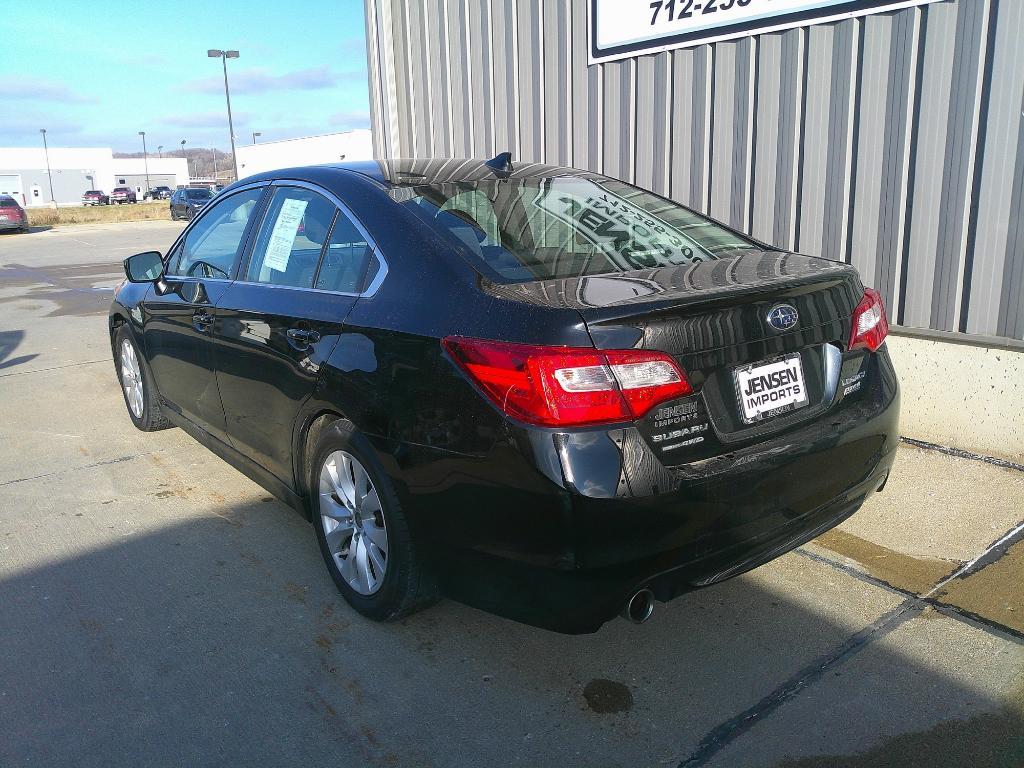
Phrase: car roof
pixel 406 172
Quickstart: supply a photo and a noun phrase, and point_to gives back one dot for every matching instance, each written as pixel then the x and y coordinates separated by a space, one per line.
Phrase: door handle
pixel 303 336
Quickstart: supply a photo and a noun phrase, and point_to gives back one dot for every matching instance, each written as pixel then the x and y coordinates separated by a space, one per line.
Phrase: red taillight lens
pixel 870 325
pixel 568 386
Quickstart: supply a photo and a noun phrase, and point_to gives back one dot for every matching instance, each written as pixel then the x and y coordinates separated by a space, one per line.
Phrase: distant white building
pixel 73 170
pixel 134 172
pixel 309 150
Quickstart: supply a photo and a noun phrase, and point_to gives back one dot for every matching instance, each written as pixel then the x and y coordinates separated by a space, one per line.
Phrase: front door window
pixel 212 247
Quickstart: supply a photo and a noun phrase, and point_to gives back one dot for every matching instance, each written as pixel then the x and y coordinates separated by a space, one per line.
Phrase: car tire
pixel 352 549
pixel 136 382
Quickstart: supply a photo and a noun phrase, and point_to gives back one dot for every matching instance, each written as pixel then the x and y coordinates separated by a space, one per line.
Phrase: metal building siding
pixel 893 141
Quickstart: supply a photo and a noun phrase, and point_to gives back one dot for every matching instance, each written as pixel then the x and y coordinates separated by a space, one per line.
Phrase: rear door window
pixel 291 238
pixel 347 261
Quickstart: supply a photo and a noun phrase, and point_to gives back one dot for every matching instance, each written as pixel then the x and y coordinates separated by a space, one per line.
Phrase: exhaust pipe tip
pixel 640 606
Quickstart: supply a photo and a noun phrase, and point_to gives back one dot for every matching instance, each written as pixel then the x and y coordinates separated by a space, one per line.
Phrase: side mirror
pixel 145 267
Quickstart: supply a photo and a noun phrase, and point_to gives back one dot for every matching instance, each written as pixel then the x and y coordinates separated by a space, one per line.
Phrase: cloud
pixel 350 120
pixel 21 127
pixel 213 119
pixel 260 81
pixel 37 89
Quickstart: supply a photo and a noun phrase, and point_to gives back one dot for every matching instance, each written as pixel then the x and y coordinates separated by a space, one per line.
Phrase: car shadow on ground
pixel 28 231
pixel 218 638
pixel 10 341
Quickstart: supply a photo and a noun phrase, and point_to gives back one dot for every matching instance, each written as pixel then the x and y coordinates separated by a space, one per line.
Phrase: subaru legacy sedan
pixel 536 390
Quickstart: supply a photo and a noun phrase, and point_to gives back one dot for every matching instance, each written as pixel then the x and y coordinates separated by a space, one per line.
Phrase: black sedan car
pixel 536 390
pixel 186 202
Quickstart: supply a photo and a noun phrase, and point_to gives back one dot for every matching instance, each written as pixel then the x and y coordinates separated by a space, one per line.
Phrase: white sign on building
pixel 624 28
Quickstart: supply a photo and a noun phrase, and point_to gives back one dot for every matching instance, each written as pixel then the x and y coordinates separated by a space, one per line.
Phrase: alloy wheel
pixel 131 378
pixel 353 522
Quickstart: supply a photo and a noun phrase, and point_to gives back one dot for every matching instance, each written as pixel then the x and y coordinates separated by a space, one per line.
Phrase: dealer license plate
pixel 768 389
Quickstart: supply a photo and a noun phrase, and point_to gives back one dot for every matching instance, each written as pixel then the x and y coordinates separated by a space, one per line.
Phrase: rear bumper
pixel 556 531
pixel 12 224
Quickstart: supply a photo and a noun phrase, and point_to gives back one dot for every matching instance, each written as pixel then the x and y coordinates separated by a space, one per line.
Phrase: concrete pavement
pixel 160 609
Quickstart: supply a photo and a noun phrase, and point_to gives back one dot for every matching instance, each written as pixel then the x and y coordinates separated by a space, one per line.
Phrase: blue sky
pixel 97 73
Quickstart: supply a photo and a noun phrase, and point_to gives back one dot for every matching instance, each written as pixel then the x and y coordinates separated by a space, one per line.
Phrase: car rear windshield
pixel 8 202
pixel 538 229
pixel 93 192
pixel 198 194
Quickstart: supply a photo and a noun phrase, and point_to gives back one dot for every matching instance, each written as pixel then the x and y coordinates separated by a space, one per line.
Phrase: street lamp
pixel 145 160
pixel 160 150
pixel 213 53
pixel 254 135
pixel 187 171
pixel 49 175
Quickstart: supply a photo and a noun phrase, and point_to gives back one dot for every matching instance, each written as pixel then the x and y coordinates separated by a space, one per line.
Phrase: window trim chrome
pixel 369 292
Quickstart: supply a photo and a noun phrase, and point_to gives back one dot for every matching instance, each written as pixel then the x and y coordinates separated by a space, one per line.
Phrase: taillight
pixel 870 325
pixel 568 386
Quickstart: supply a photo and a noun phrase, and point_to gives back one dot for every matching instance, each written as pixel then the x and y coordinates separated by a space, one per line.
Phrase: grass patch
pixel 99 214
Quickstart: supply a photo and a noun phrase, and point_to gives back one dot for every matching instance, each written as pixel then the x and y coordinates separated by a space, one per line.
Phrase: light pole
pixel 213 53
pixel 49 175
pixel 254 135
pixel 215 165
pixel 145 160
pixel 160 150
pixel 187 171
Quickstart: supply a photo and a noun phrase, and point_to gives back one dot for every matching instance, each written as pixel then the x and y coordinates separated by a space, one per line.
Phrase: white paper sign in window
pixel 282 238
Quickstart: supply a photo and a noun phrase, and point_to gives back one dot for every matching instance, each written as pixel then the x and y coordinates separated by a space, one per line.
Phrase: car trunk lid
pixel 712 318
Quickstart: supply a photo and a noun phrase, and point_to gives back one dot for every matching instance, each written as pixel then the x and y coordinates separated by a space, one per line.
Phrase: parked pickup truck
pixel 95 197
pixel 123 195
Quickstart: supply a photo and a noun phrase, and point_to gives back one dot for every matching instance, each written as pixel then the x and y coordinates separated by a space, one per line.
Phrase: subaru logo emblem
pixel 782 317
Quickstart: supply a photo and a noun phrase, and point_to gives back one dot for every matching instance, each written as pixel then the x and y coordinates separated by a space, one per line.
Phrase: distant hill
pixel 200 161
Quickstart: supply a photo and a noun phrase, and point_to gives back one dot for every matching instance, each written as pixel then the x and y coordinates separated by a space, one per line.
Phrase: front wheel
pixel 362 530
pixel 137 384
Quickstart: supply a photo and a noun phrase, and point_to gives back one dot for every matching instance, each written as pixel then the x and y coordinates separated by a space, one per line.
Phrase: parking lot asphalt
pixel 158 608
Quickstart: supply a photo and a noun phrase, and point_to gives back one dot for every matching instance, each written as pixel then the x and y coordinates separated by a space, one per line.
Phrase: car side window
pixel 347 259
pixel 290 239
pixel 211 248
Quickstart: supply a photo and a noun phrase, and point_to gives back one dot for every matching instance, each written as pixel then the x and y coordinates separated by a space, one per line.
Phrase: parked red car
pixel 12 215
pixel 95 197
pixel 123 195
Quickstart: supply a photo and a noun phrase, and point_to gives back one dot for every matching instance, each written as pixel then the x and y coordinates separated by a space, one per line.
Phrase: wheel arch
pixel 117 318
pixel 309 429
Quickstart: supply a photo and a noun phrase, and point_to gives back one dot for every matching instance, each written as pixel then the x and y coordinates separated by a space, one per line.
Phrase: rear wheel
pixel 362 530
pixel 137 384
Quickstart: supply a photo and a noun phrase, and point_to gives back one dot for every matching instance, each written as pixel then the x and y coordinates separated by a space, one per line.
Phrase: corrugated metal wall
pixel 894 141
